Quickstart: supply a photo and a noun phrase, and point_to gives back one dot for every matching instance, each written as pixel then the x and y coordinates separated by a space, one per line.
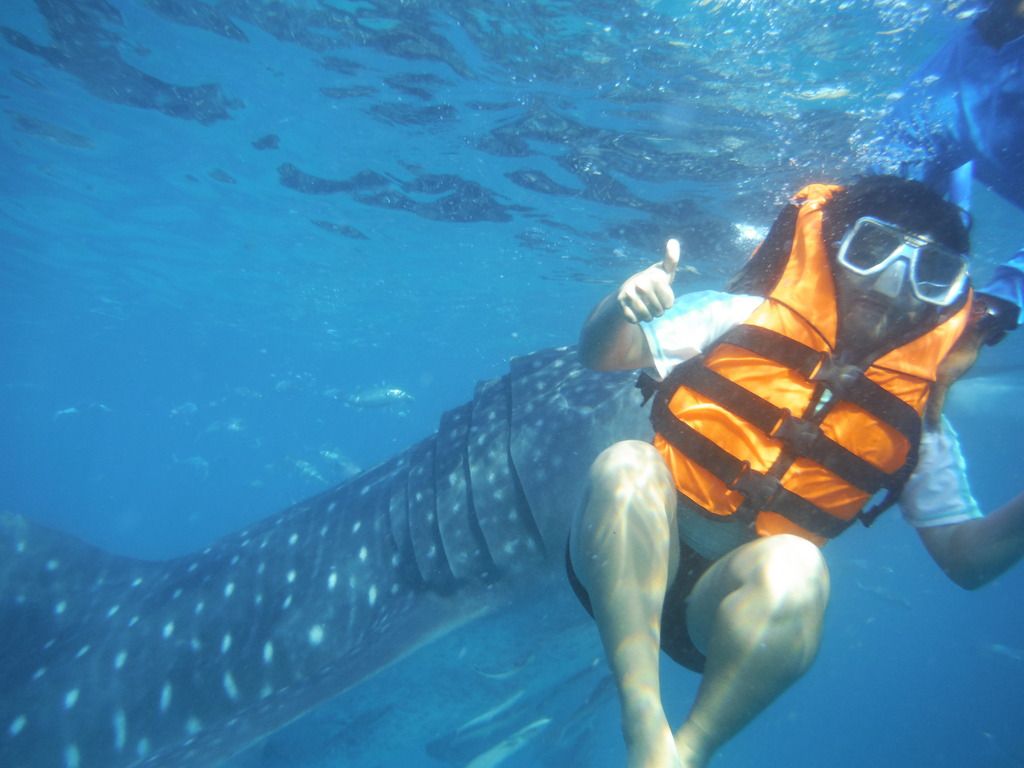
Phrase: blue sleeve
pixel 924 136
pixel 961 116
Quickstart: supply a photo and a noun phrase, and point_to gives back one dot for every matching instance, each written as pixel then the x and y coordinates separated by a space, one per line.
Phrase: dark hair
pixel 907 204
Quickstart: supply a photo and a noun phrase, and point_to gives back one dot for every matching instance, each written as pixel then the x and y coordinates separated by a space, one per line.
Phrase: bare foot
pixel 649 739
pixel 690 755
pixel 657 750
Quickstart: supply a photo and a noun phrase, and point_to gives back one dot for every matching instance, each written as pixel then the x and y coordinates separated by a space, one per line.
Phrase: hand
pixel 648 294
pixel 958 361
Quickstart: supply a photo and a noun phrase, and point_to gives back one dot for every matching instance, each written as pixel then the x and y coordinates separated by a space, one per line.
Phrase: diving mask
pixel 938 275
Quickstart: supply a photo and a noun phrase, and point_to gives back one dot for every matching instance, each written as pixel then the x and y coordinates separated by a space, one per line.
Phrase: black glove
pixel 993 317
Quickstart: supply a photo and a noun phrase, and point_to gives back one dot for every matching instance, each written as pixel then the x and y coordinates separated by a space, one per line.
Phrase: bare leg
pixel 624 549
pixel 757 616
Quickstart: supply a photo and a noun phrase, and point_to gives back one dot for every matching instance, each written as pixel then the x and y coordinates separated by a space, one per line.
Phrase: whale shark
pixel 111 661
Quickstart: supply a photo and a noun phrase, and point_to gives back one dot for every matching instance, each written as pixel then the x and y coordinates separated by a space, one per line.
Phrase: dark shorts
pixel 675 637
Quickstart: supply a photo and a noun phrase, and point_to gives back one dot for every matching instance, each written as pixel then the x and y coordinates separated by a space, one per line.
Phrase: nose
pixel 890 280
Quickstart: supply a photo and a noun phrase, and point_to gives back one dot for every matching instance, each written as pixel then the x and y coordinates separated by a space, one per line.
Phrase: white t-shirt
pixel 937 493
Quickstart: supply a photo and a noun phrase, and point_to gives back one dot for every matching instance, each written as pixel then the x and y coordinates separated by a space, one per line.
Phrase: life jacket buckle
pixel 648 386
pixel 800 435
pixel 759 489
pixel 838 378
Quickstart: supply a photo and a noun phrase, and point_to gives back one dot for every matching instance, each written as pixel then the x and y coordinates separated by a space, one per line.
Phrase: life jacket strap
pixel 846 382
pixel 762 492
pixel 799 436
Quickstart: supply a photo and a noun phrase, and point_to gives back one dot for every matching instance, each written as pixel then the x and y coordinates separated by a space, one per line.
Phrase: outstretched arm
pixel 975 552
pixel 611 339
pixel 971 552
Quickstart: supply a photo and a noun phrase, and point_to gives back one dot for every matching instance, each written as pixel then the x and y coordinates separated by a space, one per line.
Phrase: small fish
pixel 1016 654
pixel 307 469
pixel 499 753
pixel 72 411
pixel 378 397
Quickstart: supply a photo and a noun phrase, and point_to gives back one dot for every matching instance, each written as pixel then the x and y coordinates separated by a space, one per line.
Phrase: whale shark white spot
pixel 229 590
pixel 193 726
pixel 332 580
pixel 225 643
pixel 72 758
pixel 71 698
pixel 316 634
pixel 113 610
pixel 17 725
pixel 60 607
pixel 268 652
pixel 52 565
pixel 293 539
pixel 168 629
pixel 120 730
pixel 165 697
pixel 372 595
pixel 142 748
pixel 230 687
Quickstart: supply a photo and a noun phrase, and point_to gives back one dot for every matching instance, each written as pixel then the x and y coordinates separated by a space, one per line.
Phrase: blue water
pixel 221 220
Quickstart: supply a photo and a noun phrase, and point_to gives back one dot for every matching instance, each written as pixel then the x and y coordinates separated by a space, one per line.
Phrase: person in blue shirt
pixel 962 118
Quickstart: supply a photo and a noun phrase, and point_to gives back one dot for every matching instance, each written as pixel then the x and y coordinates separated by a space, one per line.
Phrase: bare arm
pixel 975 552
pixel 611 338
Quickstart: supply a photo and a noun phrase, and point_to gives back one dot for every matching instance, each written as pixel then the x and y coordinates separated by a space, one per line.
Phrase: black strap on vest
pixel 761 491
pixel 846 382
pixel 800 437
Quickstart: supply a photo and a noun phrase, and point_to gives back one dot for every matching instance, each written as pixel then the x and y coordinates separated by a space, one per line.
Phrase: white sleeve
pixel 692 323
pixel 938 492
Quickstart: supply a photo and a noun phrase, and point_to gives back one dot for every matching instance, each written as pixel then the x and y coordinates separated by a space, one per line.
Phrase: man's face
pixel 875 308
pixel 878 300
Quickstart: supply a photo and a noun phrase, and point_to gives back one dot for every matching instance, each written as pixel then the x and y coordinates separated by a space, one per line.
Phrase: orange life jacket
pixel 766 426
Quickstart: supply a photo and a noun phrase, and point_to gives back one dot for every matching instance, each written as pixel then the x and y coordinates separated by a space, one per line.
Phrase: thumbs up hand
pixel 648 294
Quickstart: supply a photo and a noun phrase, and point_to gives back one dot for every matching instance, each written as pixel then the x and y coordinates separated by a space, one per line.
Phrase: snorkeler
pixel 778 418
pixel 960 118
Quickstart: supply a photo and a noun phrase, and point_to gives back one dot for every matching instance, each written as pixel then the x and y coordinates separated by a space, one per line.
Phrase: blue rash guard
pixel 962 116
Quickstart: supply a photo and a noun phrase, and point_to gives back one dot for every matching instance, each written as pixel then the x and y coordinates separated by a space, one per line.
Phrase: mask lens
pixel 869 246
pixel 936 272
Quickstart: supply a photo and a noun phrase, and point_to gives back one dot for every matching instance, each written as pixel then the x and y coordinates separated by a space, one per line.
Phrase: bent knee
pixel 792 570
pixel 627 466
pixel 628 483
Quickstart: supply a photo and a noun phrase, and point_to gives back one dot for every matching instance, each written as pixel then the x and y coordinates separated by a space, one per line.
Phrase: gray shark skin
pixel 109 661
